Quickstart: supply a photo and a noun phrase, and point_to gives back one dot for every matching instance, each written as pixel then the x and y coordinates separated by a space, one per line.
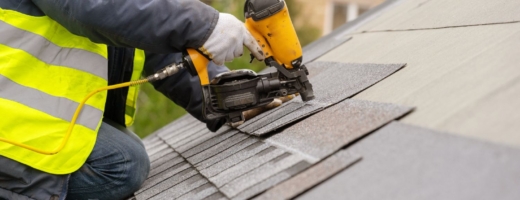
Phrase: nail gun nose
pixel 307 95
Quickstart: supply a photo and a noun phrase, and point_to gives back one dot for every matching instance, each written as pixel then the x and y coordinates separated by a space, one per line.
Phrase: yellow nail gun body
pixel 231 93
pixel 272 28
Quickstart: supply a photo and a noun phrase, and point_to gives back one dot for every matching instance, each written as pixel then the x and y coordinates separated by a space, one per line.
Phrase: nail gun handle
pixel 260 39
pixel 197 65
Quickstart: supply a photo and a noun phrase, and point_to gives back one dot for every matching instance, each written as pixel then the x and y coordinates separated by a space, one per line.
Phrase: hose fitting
pixel 165 72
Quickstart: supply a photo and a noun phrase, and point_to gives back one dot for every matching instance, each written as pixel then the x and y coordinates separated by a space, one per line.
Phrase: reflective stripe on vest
pixel 45 71
pixel 133 91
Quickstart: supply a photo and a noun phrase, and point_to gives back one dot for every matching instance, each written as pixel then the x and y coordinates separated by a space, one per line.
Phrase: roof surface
pixel 462 60
pixel 442 126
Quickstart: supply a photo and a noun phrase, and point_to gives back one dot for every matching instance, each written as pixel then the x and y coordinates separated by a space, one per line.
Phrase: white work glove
pixel 228 39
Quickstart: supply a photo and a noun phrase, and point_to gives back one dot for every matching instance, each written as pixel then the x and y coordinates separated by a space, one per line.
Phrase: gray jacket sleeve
pixel 159 26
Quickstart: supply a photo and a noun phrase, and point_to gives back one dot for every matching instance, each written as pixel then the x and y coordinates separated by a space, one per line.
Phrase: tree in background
pixel 155 110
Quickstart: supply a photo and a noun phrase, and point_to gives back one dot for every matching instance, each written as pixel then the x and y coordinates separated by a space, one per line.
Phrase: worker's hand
pixel 257 111
pixel 228 39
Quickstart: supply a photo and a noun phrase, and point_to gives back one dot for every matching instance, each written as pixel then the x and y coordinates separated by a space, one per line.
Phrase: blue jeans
pixel 115 169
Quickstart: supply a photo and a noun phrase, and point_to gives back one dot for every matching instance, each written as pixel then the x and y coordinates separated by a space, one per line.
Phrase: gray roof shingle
pixel 236 164
pixel 461 77
pixel 402 161
pixel 333 84
pixel 320 172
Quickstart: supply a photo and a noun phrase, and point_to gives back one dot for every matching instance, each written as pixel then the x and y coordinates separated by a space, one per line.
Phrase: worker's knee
pixel 135 165
pixel 138 167
pixel 116 168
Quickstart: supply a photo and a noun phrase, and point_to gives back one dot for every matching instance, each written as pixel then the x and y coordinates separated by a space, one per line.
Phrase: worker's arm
pixel 182 88
pixel 159 26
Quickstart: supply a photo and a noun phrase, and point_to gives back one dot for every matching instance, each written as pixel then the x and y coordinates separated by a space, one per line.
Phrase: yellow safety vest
pixel 133 91
pixel 45 71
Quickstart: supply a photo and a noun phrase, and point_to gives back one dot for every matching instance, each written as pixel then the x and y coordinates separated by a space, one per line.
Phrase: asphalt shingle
pixel 212 151
pixel 153 144
pixel 257 175
pixel 209 143
pixel 216 196
pixel 342 80
pixel 150 139
pixel 311 177
pixel 283 119
pixel 178 125
pixel 169 174
pixel 188 145
pixel 334 84
pixel 241 166
pixel 456 79
pixel 244 167
pixel 402 161
pixel 194 136
pixel 200 193
pixel 155 158
pixel 166 184
pixel 233 160
pixel 182 188
pixel 174 139
pixel 171 162
pixel 326 132
pixel 463 82
pixel 157 149
pixel 226 153
pixel 272 181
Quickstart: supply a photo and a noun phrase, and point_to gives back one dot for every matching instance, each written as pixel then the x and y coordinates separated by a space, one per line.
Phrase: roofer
pixel 53 53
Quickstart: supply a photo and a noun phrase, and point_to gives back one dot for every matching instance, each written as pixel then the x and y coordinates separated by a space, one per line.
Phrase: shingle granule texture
pixel 167 183
pixel 232 150
pixel 182 188
pixel 334 83
pixel 273 180
pixel 311 177
pixel 461 75
pixel 402 161
pixel 227 164
pixel 200 193
pixel 326 132
pixel 233 165
pixel 246 166
pixel 233 160
pixel 188 161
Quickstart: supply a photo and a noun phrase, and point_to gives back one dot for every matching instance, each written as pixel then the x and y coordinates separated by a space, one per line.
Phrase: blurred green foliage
pixel 155 110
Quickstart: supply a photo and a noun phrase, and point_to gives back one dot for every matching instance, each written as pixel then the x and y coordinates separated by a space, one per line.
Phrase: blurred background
pixel 312 19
